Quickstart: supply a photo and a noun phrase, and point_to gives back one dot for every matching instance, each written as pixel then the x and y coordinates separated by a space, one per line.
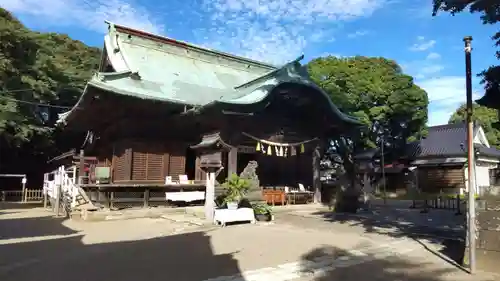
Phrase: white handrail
pixel 65 180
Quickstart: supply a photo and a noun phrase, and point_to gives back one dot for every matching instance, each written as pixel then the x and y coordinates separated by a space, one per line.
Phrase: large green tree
pixel 490 14
pixel 486 117
pixel 376 91
pixel 41 74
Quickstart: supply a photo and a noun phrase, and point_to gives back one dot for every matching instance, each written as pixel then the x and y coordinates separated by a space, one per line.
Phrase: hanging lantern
pixel 293 151
pixel 258 147
pixel 281 151
pixel 286 151
pixel 302 148
pixel 269 152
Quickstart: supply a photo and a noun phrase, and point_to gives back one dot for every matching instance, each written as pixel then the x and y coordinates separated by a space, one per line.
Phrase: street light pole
pixel 470 158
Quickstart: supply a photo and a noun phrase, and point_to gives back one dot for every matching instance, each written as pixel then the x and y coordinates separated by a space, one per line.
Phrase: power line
pixel 33 103
pixel 32 90
pixel 17 91
pixel 37 103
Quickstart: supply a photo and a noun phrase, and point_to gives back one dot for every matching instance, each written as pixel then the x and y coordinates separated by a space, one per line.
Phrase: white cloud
pixel 433 56
pixel 446 94
pixel 274 31
pixel 423 69
pixel 358 33
pixel 278 30
pixel 422 44
pixel 88 14
pixel 430 69
pixel 426 68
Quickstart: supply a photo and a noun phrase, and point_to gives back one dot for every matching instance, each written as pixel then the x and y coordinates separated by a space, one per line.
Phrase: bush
pixel 261 208
pixel 235 188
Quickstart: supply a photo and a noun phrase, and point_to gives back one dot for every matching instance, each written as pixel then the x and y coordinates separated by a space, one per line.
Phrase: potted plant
pixel 262 212
pixel 236 189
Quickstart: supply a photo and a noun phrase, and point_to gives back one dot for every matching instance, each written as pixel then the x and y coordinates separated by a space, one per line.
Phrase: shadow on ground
pixel 390 268
pixel 442 228
pixel 32 227
pixel 19 205
pixel 2 212
pixel 185 257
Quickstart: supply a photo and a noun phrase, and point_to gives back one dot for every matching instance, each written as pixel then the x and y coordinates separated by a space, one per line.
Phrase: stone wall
pixel 488 233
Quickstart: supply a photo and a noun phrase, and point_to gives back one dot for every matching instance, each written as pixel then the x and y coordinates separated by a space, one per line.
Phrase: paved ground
pixel 34 246
pixel 436 223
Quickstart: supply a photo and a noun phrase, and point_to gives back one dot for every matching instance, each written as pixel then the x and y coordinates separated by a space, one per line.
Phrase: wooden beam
pixel 62 156
pixel 80 157
pixel 232 159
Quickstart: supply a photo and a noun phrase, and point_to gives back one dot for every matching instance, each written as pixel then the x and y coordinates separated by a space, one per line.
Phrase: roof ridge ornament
pixel 135 75
pixel 271 73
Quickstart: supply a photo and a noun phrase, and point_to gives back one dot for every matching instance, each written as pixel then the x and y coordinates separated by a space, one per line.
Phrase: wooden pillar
pixel 45 189
pixel 81 167
pixel 111 200
pixel 316 157
pixel 297 176
pixel 232 161
pixel 58 190
pixel 45 199
pixel 146 198
pixel 200 174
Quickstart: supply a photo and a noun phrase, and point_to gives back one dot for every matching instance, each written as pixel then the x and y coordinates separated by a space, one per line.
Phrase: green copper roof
pixel 157 68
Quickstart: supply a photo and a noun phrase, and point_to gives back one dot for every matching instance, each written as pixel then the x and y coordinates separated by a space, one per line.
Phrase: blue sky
pixel 428 48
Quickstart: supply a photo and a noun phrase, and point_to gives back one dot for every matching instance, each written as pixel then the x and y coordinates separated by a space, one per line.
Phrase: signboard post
pixel 24 181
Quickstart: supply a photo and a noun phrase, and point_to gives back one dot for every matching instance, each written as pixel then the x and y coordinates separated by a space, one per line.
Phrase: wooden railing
pixel 116 196
pixel 30 195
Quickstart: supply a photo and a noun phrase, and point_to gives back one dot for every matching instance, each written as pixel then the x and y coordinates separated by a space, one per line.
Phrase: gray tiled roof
pixel 442 141
pixel 447 141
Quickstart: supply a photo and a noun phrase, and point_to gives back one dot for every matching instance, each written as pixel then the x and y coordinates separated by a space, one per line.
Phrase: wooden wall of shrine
pixel 150 161
pixel 275 170
pixel 144 161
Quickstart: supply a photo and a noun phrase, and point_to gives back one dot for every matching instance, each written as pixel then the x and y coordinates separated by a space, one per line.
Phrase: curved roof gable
pixel 152 67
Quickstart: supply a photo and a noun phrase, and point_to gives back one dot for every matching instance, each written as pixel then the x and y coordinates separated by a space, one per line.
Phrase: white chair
pixel 183 179
pixel 303 189
pixel 168 180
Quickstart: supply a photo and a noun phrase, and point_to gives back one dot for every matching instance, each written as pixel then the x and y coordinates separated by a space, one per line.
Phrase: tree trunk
pixel 316 157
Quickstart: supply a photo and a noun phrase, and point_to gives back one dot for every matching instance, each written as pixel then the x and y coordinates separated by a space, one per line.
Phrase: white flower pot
pixel 232 205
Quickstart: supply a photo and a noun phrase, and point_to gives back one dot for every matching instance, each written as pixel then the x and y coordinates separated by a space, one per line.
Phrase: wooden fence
pixel 441 202
pixel 30 195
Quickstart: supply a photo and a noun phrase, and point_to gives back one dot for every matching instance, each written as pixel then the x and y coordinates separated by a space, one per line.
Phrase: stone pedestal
pixel 488 234
pixel 250 174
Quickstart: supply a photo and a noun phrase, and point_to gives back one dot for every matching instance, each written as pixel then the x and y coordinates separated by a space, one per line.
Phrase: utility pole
pixel 383 168
pixel 470 158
